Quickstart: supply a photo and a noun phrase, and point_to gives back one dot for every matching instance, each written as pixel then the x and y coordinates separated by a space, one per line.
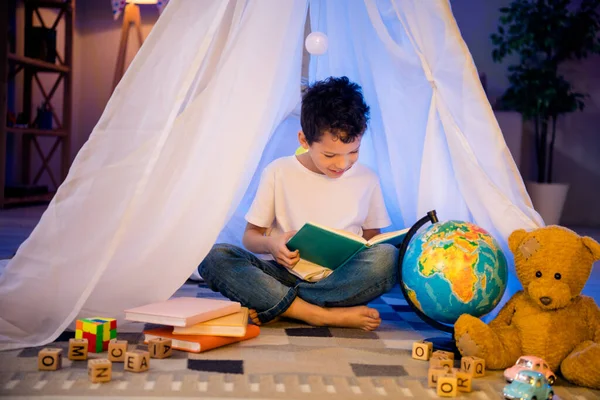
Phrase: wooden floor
pixel 16 225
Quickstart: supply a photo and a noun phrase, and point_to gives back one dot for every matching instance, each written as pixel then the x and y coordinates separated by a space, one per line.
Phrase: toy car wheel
pixel 551 380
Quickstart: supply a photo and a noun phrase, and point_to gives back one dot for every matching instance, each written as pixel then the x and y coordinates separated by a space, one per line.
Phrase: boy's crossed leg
pixel 361 317
pixel 337 300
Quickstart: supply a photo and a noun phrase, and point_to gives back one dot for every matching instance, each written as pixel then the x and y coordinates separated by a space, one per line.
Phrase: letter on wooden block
pixel 445 354
pixel 50 359
pixel 78 349
pixel 434 373
pixel 440 361
pixel 464 380
pixel 422 350
pixel 137 361
pixel 117 350
pixel 447 385
pixel 160 348
pixel 100 370
pixel 473 365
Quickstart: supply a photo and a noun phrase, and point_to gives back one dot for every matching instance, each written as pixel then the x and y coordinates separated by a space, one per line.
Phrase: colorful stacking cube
pixel 98 331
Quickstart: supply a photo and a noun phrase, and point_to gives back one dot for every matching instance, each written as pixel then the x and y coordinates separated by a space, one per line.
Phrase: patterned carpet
pixel 288 360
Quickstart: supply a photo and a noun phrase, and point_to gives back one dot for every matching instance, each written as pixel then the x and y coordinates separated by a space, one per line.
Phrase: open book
pixel 324 249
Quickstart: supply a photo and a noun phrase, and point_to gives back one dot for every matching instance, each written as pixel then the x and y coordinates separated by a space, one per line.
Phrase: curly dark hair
pixel 335 105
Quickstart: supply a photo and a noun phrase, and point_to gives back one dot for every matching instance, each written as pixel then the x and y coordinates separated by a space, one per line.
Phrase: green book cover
pixel 332 248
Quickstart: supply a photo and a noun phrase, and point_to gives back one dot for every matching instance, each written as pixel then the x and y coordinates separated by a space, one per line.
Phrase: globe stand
pixel 439 343
pixel 445 344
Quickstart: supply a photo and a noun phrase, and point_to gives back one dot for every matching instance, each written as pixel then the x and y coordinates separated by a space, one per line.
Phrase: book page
pixel 343 233
pixel 310 272
pixel 388 236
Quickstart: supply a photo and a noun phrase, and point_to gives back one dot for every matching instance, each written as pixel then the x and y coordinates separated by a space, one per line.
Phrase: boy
pixel 324 185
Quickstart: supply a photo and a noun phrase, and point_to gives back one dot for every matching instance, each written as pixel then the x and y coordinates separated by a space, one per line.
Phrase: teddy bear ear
pixel 593 246
pixel 515 239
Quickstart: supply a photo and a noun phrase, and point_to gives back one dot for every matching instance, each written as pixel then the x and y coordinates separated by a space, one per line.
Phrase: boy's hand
pixel 281 253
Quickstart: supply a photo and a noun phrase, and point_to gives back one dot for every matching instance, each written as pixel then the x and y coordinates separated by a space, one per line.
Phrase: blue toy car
pixel 528 385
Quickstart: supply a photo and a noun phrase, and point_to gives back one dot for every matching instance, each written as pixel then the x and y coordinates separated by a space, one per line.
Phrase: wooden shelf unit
pixel 29 199
pixel 13 63
pixel 39 132
pixel 41 66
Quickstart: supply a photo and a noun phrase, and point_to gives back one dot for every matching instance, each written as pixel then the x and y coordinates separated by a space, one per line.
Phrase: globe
pixel 452 268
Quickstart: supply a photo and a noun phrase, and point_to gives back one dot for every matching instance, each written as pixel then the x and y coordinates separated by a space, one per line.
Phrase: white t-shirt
pixel 290 195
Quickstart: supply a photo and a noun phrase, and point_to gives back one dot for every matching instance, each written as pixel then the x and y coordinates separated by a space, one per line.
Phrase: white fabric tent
pixel 212 97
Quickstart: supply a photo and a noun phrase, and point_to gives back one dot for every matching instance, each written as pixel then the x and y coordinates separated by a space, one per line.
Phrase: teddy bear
pixel 549 318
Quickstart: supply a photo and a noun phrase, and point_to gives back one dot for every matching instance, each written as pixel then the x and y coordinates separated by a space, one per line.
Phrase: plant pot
pixel 548 200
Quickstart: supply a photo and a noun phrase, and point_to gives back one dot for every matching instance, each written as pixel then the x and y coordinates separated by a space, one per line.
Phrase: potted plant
pixel 545 34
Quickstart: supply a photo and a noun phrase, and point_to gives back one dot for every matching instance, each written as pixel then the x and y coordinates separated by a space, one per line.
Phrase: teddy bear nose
pixel 545 300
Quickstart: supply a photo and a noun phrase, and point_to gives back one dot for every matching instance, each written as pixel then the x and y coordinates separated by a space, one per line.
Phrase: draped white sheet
pixel 433 136
pixel 210 99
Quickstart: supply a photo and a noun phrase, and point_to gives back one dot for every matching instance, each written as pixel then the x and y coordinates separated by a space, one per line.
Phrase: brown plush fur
pixel 548 318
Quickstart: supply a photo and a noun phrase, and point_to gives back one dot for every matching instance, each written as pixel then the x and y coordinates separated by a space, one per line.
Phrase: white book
pixel 182 311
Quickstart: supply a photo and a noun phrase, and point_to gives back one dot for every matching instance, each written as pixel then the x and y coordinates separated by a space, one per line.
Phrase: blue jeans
pixel 270 289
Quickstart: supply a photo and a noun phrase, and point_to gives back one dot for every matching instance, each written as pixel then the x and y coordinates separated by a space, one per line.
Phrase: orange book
pixel 182 311
pixel 229 325
pixel 197 343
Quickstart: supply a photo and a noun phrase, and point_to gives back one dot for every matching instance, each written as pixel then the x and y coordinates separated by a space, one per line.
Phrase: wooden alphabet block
pixel 160 348
pixel 434 373
pixel 444 354
pixel 473 365
pixel 447 385
pixel 464 381
pixel 422 350
pixel 78 349
pixel 99 370
pixel 137 361
pixel 440 361
pixel 50 359
pixel 117 350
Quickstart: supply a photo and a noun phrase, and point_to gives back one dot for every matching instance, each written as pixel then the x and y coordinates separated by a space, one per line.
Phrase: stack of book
pixel 195 324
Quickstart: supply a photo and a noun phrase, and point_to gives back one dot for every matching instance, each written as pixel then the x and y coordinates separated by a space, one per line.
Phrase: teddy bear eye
pixel 538 274
pixel 557 276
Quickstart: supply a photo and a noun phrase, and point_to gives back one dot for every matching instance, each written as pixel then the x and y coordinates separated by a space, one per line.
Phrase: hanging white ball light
pixel 316 43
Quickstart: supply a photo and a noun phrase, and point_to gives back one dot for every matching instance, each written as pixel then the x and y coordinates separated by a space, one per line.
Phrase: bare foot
pixel 254 317
pixel 361 317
